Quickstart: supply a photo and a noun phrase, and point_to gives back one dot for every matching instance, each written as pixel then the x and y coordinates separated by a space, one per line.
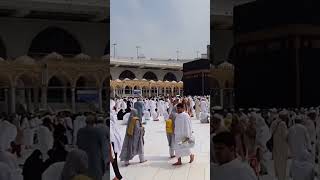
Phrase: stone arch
pixel 59 89
pixel 24 83
pixel 169 77
pixel 24 80
pixel 86 81
pixel 127 74
pixel 54 39
pixel 86 85
pixel 127 89
pixel 150 76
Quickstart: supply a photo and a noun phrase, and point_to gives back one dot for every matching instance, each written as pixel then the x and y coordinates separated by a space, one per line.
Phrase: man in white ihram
pixel 182 130
pixel 229 166
pixel 301 148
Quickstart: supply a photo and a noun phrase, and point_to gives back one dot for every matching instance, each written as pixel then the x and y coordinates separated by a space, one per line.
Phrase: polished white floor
pixel 159 165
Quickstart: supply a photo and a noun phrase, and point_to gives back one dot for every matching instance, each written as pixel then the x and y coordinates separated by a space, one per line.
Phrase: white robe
pixel 234 170
pixel 8 133
pixel 69 124
pixel 204 106
pixel 53 172
pixel 45 140
pixel 300 145
pixel 146 115
pixel 27 132
pixel 309 124
pixel 79 123
pixel 9 159
pixel 182 130
pixel 112 104
pixel 5 172
pixel 115 135
pixel 126 118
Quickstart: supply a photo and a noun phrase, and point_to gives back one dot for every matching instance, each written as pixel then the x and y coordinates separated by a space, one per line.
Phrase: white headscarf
pixel 263 132
pixel 76 164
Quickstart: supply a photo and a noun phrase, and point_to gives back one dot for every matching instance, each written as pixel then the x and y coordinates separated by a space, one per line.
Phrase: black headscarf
pixel 33 166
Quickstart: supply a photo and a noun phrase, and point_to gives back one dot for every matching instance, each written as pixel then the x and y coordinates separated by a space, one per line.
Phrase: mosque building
pixel 54 55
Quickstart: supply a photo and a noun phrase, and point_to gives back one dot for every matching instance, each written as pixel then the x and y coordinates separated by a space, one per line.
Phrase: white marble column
pixel 157 91
pixel 179 91
pixel 13 99
pixel 100 99
pixel 73 99
pixel 150 92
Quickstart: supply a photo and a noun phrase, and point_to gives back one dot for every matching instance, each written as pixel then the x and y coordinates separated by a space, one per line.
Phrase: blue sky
pixel 160 27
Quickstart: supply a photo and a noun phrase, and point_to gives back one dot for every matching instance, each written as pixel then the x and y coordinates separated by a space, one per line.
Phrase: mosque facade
pixel 148 77
pixel 54 56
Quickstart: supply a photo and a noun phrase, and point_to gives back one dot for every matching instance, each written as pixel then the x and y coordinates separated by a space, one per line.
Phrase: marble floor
pixel 158 166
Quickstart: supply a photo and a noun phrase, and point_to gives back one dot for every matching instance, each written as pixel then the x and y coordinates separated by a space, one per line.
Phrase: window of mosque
pixel 170 77
pixel 127 74
pixel 150 76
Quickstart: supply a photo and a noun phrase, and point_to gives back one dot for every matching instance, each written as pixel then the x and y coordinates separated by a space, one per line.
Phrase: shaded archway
pixel 86 91
pixel 150 76
pixel 127 74
pixel 59 90
pixel 4 93
pixel 127 90
pixel 169 77
pixel 54 39
pixel 24 92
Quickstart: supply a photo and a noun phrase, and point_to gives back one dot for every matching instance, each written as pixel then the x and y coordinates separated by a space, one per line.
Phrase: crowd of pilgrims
pixel 66 146
pixel 54 146
pixel 176 112
pixel 246 141
pixel 159 108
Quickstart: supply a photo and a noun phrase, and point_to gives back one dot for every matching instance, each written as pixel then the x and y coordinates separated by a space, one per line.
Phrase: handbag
pixel 188 142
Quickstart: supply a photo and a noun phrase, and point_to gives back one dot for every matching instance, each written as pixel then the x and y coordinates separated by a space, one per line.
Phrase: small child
pixel 170 134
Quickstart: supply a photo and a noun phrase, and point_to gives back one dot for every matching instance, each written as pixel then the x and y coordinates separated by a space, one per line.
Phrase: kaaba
pixel 277 52
pixel 196 77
